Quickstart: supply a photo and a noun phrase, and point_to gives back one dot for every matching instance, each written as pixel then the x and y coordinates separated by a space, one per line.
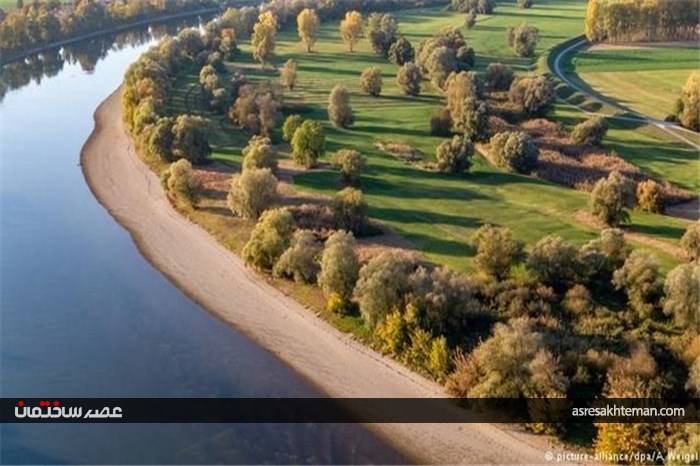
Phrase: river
pixel 83 314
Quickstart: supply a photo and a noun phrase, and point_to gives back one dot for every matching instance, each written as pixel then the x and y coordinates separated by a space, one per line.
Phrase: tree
pixel 523 39
pixel 554 261
pixel 535 95
pixel 525 3
pixel 440 63
pixel 245 111
pixel 499 77
pixel 259 154
pixel 252 192
pixel 441 122
pixel 409 77
pixel 180 181
pixel 308 144
pixel 382 31
pixel 351 29
pixel 599 258
pixel 460 86
pixel 271 236
pixel 288 74
pixel 454 155
pixel 349 209
pixel 690 242
pixel 611 197
pixel 470 20
pixel 650 196
pixel 191 138
pixel 351 164
pixel 682 295
pixel 639 278
pixel 308 24
pixel 514 151
pixel 496 251
pixel 339 109
pixel 591 131
pixel 268 112
pixel 382 286
pixel 160 141
pixel 291 124
pixel 339 266
pixel 300 261
pixel 690 100
pixel 264 37
pixel 401 52
pixel 473 119
pixel 371 81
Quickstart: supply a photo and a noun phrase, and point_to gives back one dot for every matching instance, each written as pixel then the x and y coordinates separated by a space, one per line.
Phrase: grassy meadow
pixel 437 213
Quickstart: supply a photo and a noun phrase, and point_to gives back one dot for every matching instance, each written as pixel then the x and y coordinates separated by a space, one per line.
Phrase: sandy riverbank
pixel 220 282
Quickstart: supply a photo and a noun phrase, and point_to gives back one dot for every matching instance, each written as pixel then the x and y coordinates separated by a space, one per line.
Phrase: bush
pixel 191 138
pixel 534 95
pixel 308 144
pixel 611 197
pixel 291 124
pixel 454 155
pixel 339 110
pixel 497 251
pixel 650 196
pixel 401 52
pixel 350 211
pixel 339 266
pixel 180 182
pixel 590 132
pixel 371 81
pixel 258 154
pixel 514 151
pixel 409 78
pixel 473 120
pixel 300 261
pixel 639 278
pixel 269 239
pixel 690 242
pixel 382 286
pixel 499 77
pixel 554 261
pixel 351 164
pixel 578 301
pixel 252 192
pixel 441 122
pixel 523 39
pixel 682 290
pixel 599 258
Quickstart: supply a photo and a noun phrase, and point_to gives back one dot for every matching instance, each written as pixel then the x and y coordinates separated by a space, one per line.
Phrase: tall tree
pixel 308 24
pixel 351 29
pixel 264 37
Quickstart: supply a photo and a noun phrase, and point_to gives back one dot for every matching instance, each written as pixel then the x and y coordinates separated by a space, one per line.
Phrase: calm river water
pixel 82 314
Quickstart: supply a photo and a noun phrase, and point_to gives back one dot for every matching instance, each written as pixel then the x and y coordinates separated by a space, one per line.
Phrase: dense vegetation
pixel 592 317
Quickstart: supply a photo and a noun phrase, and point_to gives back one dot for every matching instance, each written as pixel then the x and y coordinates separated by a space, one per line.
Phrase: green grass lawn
pixel 436 212
pixel 648 81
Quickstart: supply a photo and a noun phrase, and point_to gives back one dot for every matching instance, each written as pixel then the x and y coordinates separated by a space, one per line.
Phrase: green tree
pixel 252 192
pixel 301 261
pixel 308 144
pixel 349 209
pixel 554 261
pixel 682 295
pixel 339 109
pixel 271 236
pixel 291 124
pixel 339 266
pixel 611 197
pixel 523 39
pixel 454 155
pixel 371 81
pixel 514 151
pixel 534 95
pixel 160 141
pixel 499 77
pixel 351 165
pixel 191 138
pixel 473 119
pixel 496 251
pixel 639 277
pixel 259 154
pixel 382 32
pixel 180 182
pixel 401 52
pixel 288 74
pixel 409 78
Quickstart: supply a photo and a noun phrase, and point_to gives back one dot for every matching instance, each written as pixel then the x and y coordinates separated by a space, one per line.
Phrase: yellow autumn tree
pixel 351 29
pixel 264 37
pixel 592 18
pixel 308 24
pixel 690 97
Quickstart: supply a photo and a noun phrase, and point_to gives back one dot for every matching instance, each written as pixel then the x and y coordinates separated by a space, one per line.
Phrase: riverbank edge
pixel 214 277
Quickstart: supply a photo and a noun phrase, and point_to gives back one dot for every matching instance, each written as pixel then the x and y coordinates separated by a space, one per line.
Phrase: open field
pixel 436 212
pixel 647 80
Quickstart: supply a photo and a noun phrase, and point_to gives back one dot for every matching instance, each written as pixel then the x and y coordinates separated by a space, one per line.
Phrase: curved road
pixel 662 125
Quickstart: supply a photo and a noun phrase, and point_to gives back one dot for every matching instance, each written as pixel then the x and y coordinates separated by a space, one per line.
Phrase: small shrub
pixel 590 132
pixel 339 109
pixel 269 239
pixel 497 251
pixel 339 267
pixel 611 198
pixel 308 144
pixel 409 78
pixel 291 124
pixel 350 211
pixel 690 242
pixel 371 81
pixel 259 154
pixel 454 155
pixel 252 192
pixel 514 151
pixel 650 196
pixel 499 77
pixel 351 164
pixel 180 182
pixel 301 260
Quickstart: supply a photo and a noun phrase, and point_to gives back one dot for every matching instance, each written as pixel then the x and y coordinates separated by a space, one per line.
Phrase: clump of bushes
pixel 180 182
pixel 590 132
pixel 514 151
pixel 271 237
pixel 454 155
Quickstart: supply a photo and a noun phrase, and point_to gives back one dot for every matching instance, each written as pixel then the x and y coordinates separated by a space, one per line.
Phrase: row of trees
pixel 42 23
pixel 649 21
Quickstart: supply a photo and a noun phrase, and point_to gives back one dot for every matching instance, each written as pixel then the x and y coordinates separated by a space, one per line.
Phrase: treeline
pixel 642 20
pixel 42 23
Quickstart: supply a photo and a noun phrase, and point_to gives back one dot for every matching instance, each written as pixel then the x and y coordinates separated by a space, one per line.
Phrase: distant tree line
pixel 636 20
pixel 38 23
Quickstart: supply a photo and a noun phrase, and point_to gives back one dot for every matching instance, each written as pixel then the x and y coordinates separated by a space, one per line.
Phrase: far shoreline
pixel 219 282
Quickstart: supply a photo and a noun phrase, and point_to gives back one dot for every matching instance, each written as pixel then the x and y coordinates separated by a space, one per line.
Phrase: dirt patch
pixel 642 45
pixel 688 210
pixel 400 150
